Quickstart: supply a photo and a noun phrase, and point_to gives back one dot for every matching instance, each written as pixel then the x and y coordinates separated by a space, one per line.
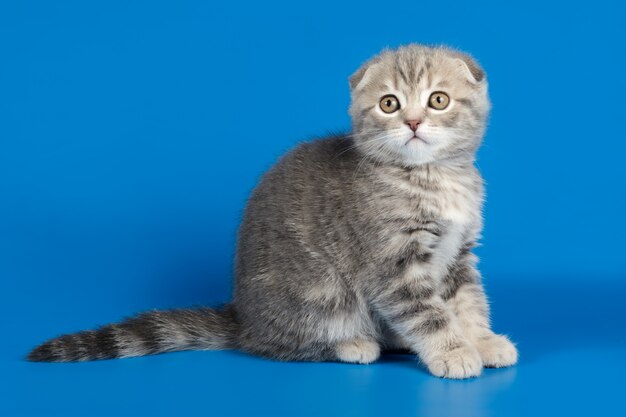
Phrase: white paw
pixel 497 351
pixel 459 363
pixel 358 351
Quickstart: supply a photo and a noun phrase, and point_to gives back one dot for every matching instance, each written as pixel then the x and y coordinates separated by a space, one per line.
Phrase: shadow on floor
pixel 540 316
pixel 550 316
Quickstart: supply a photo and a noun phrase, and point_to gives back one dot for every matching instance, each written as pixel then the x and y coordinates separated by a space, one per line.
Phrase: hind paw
pixel 358 351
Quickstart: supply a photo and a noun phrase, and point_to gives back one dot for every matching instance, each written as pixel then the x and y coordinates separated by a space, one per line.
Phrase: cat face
pixel 417 105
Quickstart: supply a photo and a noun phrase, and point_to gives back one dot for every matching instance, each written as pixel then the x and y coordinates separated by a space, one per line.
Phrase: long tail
pixel 148 333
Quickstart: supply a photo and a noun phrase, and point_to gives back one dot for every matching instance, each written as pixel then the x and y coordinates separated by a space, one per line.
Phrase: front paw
pixel 496 351
pixel 458 363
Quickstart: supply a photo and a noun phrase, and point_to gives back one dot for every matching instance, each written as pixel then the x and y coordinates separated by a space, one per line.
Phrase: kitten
pixel 355 243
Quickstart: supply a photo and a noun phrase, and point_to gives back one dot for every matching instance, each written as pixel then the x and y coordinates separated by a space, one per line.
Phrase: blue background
pixel 131 134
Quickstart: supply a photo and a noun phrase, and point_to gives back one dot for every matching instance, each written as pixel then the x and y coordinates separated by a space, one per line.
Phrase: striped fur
pixel 146 334
pixel 354 243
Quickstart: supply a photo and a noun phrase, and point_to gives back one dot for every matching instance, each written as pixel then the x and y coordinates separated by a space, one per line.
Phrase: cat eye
pixel 389 103
pixel 439 100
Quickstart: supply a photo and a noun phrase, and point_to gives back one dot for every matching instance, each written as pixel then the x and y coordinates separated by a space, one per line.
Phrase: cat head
pixel 417 104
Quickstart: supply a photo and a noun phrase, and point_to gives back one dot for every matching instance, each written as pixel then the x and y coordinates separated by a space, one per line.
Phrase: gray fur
pixel 354 242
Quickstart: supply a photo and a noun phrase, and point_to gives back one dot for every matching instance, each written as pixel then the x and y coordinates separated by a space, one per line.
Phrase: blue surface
pixel 131 134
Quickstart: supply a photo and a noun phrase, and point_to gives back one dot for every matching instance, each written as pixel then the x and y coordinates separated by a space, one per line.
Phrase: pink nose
pixel 413 124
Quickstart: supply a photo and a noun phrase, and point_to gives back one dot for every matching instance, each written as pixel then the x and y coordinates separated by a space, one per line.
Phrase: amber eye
pixel 439 100
pixel 389 104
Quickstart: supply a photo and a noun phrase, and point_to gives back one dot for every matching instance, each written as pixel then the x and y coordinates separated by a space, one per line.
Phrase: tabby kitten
pixel 354 243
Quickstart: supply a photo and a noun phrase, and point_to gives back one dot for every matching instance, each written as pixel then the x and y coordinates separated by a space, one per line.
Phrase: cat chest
pixel 428 223
pixel 445 202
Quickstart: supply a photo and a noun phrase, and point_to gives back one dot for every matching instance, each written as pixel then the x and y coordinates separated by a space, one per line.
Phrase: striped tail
pixel 146 334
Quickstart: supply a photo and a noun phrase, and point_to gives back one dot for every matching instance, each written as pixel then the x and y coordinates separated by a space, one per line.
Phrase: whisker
pixel 373 139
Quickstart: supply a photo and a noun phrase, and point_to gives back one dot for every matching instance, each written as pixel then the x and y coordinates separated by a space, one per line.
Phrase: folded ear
pixel 468 65
pixel 361 74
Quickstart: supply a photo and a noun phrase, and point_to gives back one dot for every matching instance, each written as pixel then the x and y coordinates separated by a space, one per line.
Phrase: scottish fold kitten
pixel 357 243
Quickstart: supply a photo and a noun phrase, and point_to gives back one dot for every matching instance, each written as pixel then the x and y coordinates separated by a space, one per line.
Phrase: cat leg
pixel 423 320
pixel 470 306
pixel 358 351
pixel 466 298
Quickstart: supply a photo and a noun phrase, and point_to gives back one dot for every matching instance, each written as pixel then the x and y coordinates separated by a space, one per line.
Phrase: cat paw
pixel 358 351
pixel 497 351
pixel 459 363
